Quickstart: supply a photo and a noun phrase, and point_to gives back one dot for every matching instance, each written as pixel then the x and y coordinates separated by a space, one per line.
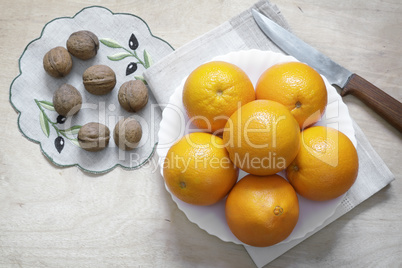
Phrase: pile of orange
pixel 197 169
pixel 214 91
pixel 297 86
pixel 261 132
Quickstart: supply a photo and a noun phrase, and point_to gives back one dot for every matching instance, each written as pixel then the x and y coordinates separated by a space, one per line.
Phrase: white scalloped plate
pixel 31 92
pixel 174 125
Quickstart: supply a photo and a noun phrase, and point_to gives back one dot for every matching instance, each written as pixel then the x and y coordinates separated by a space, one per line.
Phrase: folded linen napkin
pixel 241 33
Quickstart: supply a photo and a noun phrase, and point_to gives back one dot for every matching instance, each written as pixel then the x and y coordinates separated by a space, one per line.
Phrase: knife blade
pixel 350 83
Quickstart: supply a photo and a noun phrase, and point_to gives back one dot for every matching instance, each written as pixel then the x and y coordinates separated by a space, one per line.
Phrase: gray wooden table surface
pixel 62 217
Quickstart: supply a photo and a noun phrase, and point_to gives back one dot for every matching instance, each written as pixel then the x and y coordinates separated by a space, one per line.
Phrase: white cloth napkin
pixel 242 33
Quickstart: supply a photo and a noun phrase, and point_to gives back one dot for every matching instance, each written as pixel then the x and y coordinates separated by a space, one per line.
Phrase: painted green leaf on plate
pixel 119 56
pixel 147 59
pixel 110 43
pixel 44 124
pixel 71 131
pixel 47 105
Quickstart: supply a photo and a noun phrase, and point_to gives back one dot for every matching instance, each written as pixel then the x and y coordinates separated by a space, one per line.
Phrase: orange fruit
pixel 262 211
pixel 262 137
pixel 213 91
pixel 297 86
pixel 197 169
pixel 326 165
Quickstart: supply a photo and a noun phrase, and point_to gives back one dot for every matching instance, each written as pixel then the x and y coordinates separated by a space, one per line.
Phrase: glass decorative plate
pixel 175 124
pixel 128 47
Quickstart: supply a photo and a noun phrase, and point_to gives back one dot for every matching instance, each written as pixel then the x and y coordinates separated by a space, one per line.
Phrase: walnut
pixel 99 79
pixel 127 133
pixel 93 137
pixel 57 62
pixel 133 95
pixel 67 100
pixel 83 45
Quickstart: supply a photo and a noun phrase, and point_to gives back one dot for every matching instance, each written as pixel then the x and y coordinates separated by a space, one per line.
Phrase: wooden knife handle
pixel 386 106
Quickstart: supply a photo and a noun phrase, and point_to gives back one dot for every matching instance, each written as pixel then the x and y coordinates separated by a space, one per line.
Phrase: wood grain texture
pixel 62 217
pixel 383 104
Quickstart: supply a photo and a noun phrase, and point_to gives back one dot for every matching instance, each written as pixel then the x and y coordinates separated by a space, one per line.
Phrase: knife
pixel 350 83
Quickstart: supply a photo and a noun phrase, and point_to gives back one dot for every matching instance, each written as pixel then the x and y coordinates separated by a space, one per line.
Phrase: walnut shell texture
pixel 57 62
pixel 133 95
pixel 127 133
pixel 83 44
pixel 93 137
pixel 99 79
pixel 67 100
